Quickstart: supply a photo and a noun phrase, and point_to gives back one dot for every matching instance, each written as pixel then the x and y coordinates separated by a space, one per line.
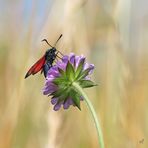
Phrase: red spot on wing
pixel 36 67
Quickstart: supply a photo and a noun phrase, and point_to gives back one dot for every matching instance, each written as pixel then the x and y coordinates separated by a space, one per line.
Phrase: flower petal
pixel 70 101
pixel 57 106
pixel 53 71
pixel 78 59
pixel 49 78
pixel 81 98
pixel 72 58
pixel 54 101
pixel 49 88
pixel 61 65
pixel 66 105
pixel 65 59
pixel 91 67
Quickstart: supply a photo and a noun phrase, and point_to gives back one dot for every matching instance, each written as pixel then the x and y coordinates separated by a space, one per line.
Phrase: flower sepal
pixel 86 83
pixel 79 69
pixel 70 72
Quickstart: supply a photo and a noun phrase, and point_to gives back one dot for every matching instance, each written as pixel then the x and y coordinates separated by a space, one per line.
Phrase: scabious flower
pixel 61 77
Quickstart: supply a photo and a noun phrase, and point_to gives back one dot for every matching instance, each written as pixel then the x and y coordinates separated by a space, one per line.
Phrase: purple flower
pixel 60 78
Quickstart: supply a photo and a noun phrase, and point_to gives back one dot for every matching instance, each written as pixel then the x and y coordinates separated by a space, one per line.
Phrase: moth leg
pixel 58 55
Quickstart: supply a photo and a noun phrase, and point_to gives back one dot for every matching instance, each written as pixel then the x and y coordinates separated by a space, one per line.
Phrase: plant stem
pixel 94 115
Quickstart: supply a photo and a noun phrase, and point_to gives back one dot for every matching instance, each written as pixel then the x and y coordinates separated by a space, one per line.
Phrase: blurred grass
pixel 100 31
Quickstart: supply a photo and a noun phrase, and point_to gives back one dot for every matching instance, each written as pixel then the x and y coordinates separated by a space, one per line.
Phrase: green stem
pixel 94 115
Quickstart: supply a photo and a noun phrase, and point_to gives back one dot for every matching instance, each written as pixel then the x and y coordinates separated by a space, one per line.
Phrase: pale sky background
pixel 133 20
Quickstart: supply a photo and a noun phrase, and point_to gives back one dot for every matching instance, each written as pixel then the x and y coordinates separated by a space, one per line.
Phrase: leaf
pixel 58 93
pixel 79 68
pixel 63 97
pixel 58 80
pixel 76 98
pixel 70 73
pixel 76 101
pixel 86 83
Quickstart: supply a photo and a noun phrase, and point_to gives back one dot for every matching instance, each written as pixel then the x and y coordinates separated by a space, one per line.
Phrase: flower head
pixel 60 78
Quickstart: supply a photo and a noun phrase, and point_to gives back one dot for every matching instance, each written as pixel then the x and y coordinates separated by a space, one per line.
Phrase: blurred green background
pixel 112 34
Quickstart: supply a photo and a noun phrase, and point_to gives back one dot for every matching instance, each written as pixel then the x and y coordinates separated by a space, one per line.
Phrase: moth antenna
pixel 58 40
pixel 47 42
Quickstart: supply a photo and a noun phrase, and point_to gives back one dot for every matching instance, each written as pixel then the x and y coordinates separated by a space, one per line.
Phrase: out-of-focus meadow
pixel 111 34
